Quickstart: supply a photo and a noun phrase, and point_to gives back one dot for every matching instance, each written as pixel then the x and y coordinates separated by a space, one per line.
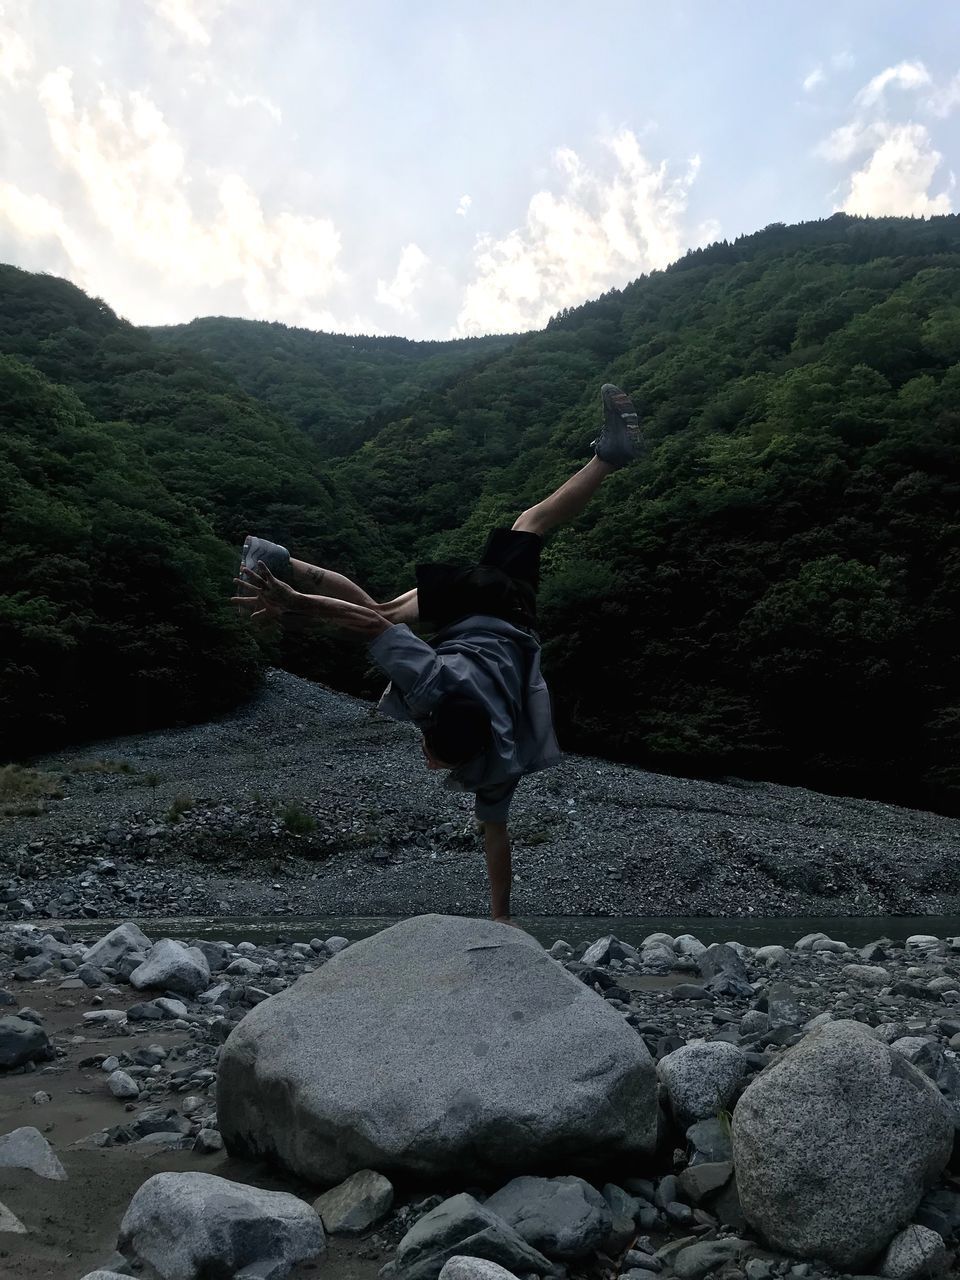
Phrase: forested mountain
pixel 340 388
pixel 773 591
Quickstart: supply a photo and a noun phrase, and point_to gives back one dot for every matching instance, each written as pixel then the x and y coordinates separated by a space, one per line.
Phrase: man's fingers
pixel 265 571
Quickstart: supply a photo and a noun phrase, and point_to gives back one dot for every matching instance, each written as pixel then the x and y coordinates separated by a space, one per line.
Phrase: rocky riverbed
pixel 777 1109
pixel 305 802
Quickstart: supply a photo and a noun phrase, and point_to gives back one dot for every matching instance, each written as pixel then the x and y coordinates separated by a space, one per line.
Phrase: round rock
pixel 702 1079
pixel 835 1144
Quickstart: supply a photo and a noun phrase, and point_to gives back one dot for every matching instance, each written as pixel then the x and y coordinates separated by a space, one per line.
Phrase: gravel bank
pixel 384 838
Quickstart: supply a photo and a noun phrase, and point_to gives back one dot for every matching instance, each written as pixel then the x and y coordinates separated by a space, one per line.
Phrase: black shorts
pixel 502 584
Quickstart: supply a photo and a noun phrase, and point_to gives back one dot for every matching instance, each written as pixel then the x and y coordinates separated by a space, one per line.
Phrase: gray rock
pixel 188 1225
pixel 105 1275
pixel 710 1140
pixel 702 1079
pixel 118 942
pixel 835 1144
pixel 694 1261
pixel 336 944
pixel 356 1204
pixel 866 975
pixel 720 958
pixel 9 1222
pixel 606 949
pixel 700 1180
pixel 782 1007
pixel 687 944
pixel 624 1209
pixel 500 1062
pixel 916 1252
pixel 208 1142
pixel 123 1086
pixel 172 1008
pixel 21 1042
pixel 170 966
pixel 772 955
pixel 461 1226
pixel 460 1268
pixel 561 1217
pixel 27 1148
pixel 753 1023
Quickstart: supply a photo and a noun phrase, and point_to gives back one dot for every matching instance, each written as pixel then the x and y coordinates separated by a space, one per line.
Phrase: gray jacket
pixel 499 665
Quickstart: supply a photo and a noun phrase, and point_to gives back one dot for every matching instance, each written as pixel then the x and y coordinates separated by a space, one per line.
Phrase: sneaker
pixel 619 441
pixel 275 557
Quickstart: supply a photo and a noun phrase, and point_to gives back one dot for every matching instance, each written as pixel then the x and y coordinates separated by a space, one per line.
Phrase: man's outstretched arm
pixel 276 600
pixel 496 845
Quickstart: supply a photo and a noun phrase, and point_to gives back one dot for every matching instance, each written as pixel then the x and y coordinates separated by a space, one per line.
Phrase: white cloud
pixel 136 203
pixel 843 60
pixel 944 101
pixel 905 75
pixel 238 101
pixel 595 234
pixel 406 281
pixel 852 139
pixel 815 77
pixel 899 159
pixel 16 57
pixel 463 204
pixel 896 178
pixel 190 20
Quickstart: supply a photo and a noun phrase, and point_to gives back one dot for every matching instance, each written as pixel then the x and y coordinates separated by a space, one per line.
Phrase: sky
pixel 442 169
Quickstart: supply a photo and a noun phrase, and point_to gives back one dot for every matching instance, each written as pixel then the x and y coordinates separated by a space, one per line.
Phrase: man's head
pixel 457 731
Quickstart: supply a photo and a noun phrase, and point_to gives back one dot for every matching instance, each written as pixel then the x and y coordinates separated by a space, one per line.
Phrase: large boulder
pixel 442 1046
pixel 171 966
pixel 562 1217
pixel 836 1143
pixel 193 1225
pixel 119 942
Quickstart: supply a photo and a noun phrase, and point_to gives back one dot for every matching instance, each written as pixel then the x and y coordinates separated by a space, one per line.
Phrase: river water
pixel 755 931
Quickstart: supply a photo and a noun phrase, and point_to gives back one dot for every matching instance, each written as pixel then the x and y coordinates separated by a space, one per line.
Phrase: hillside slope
pixel 339 388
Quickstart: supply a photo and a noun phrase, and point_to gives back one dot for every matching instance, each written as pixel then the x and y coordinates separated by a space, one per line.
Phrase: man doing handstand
pixel 475 691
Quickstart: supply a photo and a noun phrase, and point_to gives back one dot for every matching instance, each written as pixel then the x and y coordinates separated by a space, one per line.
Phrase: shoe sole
pixel 620 436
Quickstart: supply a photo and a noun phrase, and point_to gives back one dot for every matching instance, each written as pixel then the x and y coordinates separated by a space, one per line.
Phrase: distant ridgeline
pixel 774 592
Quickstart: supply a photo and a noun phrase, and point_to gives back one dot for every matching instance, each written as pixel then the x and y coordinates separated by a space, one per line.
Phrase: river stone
pixel 498 1062
pixel 122 1086
pixel 695 1260
pixel 462 1226
pixel 719 958
pixel 914 1253
pixel 835 1144
pixel 460 1268
pixel 702 1079
pixel 562 1217
pixel 188 1225
pixel 867 975
pixel 27 1148
pixel 118 942
pixel 9 1222
pixel 171 966
pixel 22 1041
pixel 356 1204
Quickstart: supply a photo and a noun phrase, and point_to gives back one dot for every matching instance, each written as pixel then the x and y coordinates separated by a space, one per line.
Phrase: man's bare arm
pixel 278 601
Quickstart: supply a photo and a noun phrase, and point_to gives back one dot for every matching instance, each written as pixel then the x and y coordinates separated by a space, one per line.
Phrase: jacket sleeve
pixel 412 665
